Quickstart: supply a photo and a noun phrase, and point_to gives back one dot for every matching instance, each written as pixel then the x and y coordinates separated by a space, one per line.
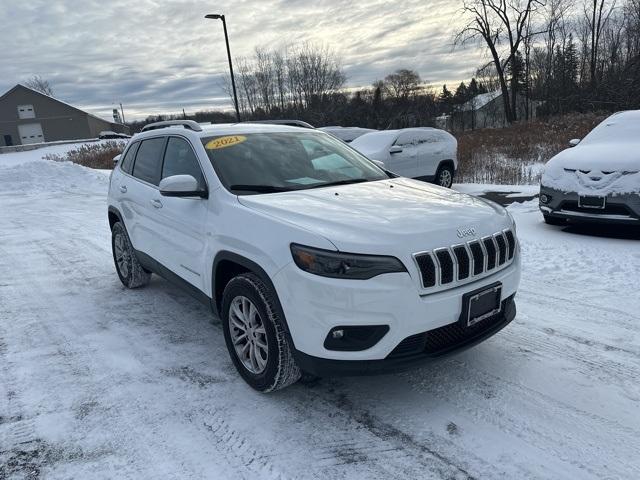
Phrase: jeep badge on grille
pixel 466 232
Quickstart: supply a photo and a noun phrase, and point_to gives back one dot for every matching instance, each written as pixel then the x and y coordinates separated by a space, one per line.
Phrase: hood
pixel 385 217
pixel 595 168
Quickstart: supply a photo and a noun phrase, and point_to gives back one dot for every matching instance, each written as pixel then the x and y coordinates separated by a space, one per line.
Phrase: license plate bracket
pixel 588 201
pixel 481 304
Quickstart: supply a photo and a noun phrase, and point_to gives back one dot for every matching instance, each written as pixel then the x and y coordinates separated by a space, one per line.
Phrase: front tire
pixel 255 336
pixel 444 176
pixel 130 272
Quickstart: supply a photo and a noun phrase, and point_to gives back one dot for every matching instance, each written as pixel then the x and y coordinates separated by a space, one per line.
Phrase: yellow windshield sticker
pixel 224 142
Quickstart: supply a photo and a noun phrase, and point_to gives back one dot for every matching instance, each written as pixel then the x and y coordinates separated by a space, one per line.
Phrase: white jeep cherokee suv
pixel 316 260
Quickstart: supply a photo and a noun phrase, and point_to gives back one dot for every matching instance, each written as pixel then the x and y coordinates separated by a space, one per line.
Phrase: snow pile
pixel 50 176
pixel 25 172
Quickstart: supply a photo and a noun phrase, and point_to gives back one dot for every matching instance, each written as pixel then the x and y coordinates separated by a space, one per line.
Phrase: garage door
pixel 30 133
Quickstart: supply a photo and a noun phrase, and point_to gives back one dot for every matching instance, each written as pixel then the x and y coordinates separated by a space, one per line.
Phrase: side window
pixel 406 139
pixel 179 159
pixel 427 137
pixel 126 164
pixel 149 160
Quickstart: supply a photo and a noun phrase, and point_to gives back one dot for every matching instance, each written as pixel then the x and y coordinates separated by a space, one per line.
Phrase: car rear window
pixel 127 161
pixel 149 160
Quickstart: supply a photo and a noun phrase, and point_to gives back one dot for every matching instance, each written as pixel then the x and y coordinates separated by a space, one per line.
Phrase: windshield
pixel 277 162
pixel 374 142
pixel 621 127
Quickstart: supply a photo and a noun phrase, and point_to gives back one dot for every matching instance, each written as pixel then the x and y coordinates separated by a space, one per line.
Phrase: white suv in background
pixel 426 154
pixel 316 260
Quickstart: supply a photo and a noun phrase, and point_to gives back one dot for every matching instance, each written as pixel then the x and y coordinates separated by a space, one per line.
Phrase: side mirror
pixel 181 186
pixel 574 142
pixel 395 149
pixel 116 159
pixel 379 164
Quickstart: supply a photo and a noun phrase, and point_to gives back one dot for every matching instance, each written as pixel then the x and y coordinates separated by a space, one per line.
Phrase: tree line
pixel 559 55
pixel 566 55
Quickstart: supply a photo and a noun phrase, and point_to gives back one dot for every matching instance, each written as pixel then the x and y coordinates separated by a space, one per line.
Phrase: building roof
pixel 20 85
pixel 481 100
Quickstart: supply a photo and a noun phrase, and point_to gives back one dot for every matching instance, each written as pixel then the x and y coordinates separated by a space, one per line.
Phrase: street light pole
pixel 226 39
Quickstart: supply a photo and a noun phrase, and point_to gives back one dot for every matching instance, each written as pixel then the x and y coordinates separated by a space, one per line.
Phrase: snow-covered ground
pixel 101 382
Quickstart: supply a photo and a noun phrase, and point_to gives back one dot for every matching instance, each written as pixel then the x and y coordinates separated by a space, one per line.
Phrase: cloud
pixel 161 56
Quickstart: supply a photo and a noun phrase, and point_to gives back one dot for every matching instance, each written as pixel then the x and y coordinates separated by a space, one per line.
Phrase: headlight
pixel 327 263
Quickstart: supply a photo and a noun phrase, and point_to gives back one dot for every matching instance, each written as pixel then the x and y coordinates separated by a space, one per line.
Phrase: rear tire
pixel 255 336
pixel 444 176
pixel 130 272
pixel 558 222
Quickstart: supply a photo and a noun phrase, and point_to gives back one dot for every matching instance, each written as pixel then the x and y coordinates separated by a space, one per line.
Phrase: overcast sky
pixel 161 56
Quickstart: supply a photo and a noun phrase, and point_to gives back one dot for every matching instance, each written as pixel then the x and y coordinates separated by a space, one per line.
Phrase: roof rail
pixel 188 124
pixel 290 123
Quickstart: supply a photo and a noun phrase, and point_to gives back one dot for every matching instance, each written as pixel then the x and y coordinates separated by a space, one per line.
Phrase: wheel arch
pixel 227 265
pixel 114 216
pixel 446 163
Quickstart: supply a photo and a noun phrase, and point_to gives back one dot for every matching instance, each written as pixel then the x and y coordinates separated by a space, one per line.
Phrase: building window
pixel 26 111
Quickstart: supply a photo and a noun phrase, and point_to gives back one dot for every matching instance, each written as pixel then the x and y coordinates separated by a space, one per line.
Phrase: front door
pixel 404 163
pixel 8 141
pixel 30 133
pixel 180 226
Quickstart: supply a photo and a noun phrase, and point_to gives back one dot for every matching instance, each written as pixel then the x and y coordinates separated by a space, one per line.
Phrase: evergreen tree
pixel 446 99
pixel 461 95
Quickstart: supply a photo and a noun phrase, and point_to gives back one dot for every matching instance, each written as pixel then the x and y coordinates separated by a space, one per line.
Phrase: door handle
pixel 123 189
pixel 156 203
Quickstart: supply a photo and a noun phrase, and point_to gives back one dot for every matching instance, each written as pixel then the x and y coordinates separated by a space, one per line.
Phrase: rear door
pixel 142 190
pixel 404 163
pixel 180 222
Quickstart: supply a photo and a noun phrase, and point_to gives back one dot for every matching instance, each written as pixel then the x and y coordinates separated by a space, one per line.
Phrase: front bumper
pixel 314 305
pixel 323 367
pixel 622 209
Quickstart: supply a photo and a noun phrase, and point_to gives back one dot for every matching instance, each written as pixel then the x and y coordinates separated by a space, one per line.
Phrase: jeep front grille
pixel 464 262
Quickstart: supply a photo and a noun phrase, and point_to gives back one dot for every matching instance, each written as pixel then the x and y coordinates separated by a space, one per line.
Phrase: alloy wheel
pixel 445 179
pixel 248 334
pixel 123 257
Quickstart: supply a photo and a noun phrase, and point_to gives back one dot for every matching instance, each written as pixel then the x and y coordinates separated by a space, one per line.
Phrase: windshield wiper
pixel 260 188
pixel 341 182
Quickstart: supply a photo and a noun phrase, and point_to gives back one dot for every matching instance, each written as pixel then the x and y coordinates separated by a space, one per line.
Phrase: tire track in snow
pixel 493 400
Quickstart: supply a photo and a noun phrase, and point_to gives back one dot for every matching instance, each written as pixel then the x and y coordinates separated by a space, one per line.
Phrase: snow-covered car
pixel 109 135
pixel 316 260
pixel 347 134
pixel 598 179
pixel 426 154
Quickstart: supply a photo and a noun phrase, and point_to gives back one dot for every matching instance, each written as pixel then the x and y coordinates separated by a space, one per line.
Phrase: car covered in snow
pixel 316 260
pixel 347 134
pixel 598 178
pixel 427 154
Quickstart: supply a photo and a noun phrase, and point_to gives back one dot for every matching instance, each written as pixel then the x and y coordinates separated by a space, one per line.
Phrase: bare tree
pixel 597 14
pixel 402 84
pixel 39 84
pixel 496 23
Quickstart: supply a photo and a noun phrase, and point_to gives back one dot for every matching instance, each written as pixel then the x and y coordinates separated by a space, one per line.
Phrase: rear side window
pixel 149 160
pixel 127 162
pixel 179 159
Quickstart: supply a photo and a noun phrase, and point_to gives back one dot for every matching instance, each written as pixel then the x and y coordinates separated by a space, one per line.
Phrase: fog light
pixel 354 338
pixel 544 198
